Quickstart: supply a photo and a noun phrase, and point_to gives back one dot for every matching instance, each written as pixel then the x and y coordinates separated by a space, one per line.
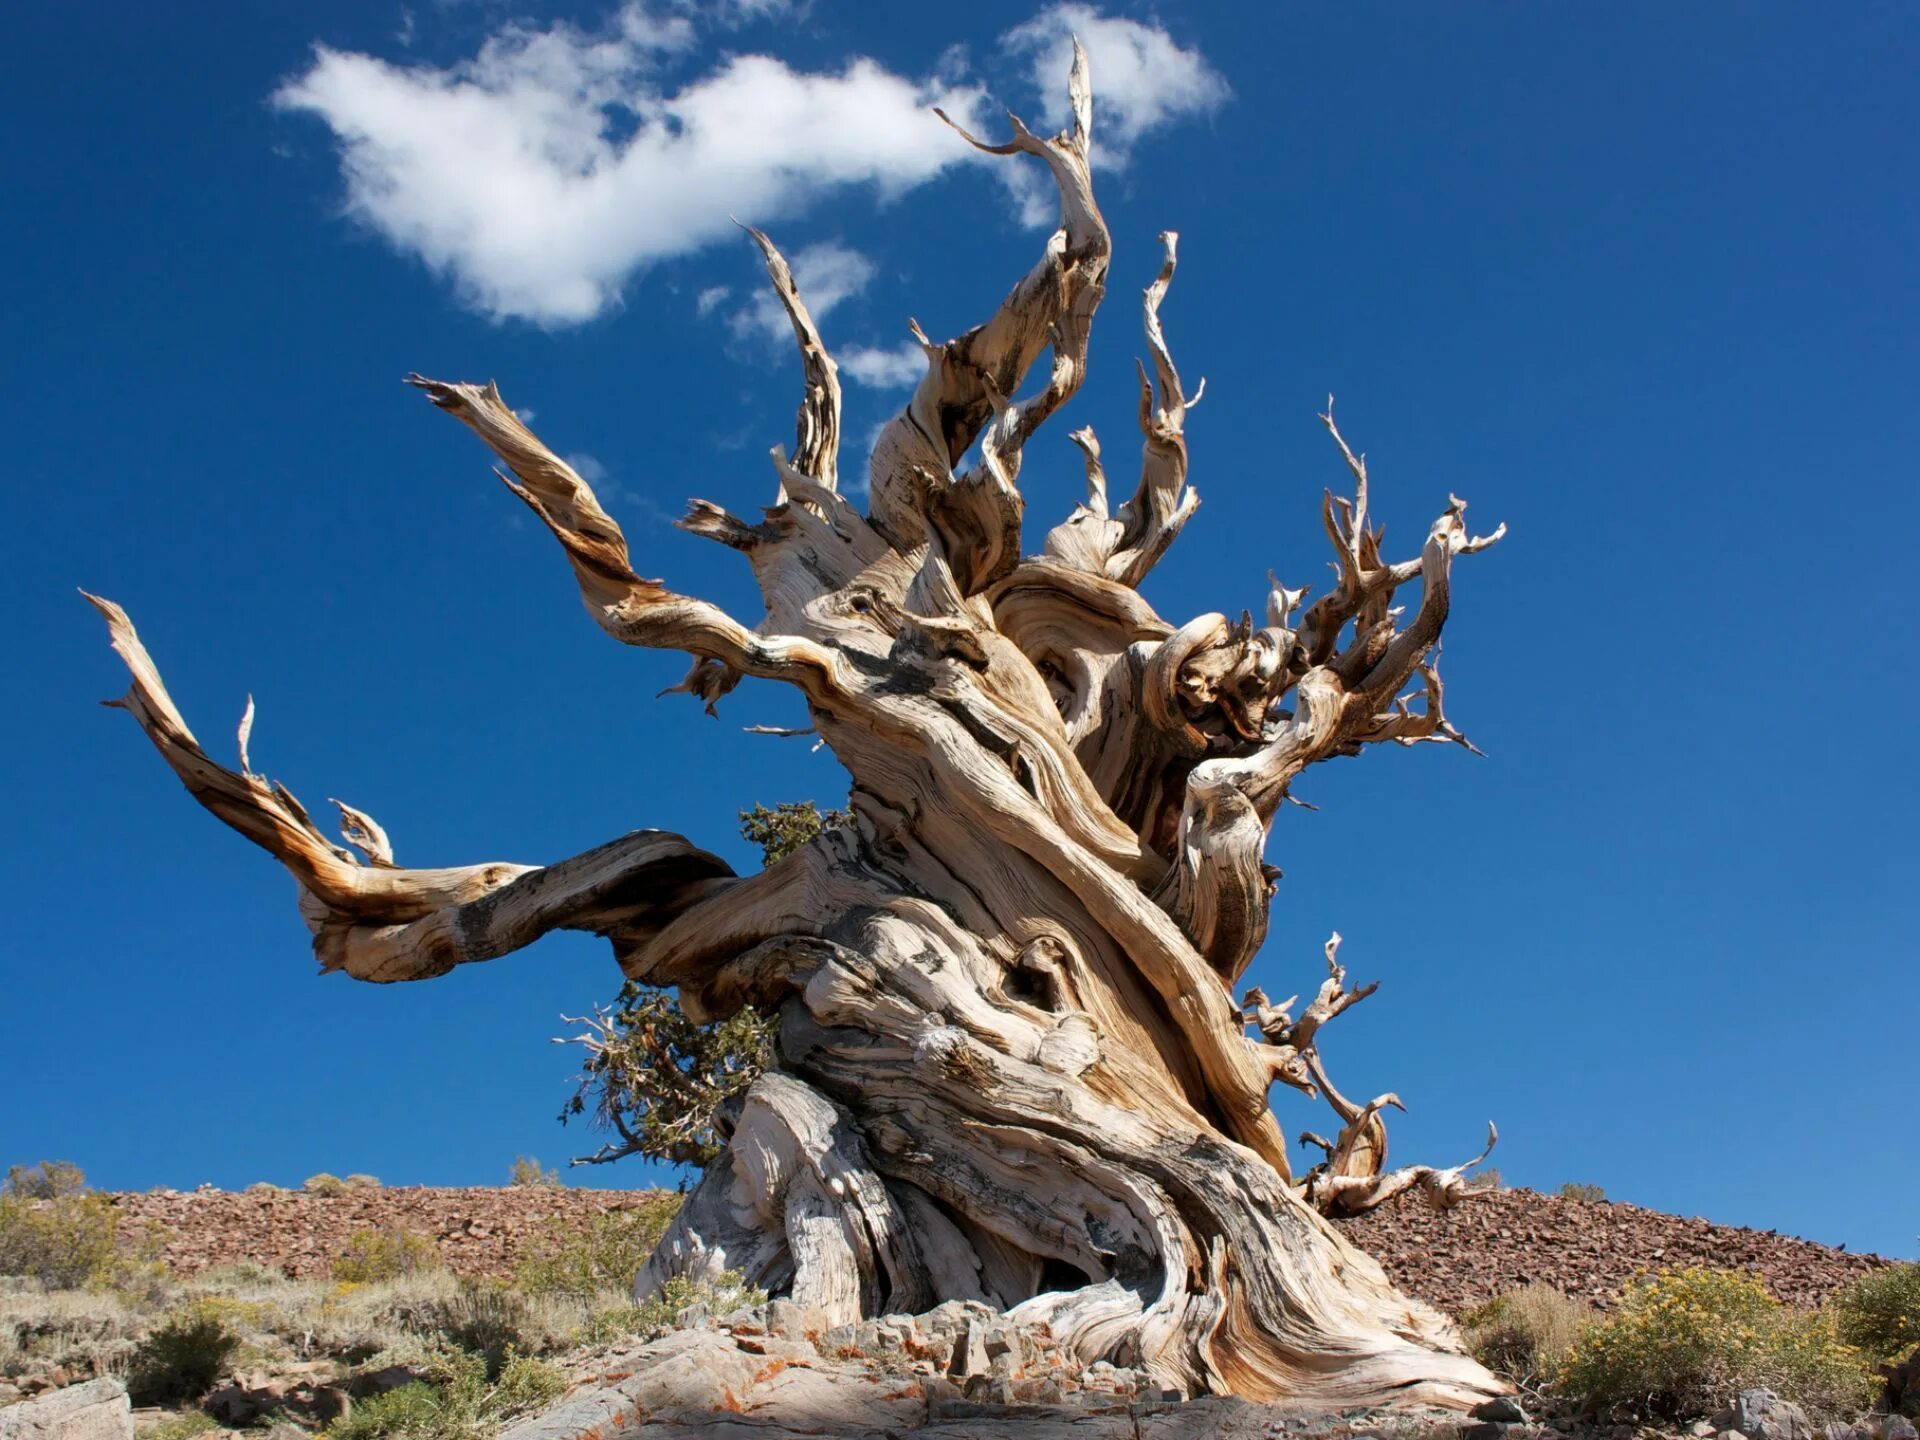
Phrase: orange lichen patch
pixel 769 1370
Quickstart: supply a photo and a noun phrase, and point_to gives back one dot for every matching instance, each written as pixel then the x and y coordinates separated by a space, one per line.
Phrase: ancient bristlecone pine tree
pixel 1010 1064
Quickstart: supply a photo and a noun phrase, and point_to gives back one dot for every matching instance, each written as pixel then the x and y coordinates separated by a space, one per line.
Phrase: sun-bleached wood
pixel 1010 1064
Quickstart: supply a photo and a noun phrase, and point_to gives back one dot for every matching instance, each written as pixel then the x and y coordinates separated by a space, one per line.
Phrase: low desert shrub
pixel 62 1242
pixel 1525 1334
pixel 1683 1344
pixel 605 1254
pixel 371 1256
pixel 457 1403
pixel 89 1330
pixel 1578 1190
pixel 487 1320
pixel 722 1296
pixel 526 1384
pixel 183 1426
pixel 324 1184
pixel 1879 1314
pixel 48 1180
pixel 419 1411
pixel 184 1356
pixel 362 1182
pixel 357 1322
pixel 237 1276
pixel 526 1170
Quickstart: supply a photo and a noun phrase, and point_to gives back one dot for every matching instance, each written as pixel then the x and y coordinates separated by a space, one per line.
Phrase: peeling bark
pixel 1010 1065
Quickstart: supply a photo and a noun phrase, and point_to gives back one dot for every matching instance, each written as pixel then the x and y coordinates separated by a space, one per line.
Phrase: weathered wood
pixel 1010 1065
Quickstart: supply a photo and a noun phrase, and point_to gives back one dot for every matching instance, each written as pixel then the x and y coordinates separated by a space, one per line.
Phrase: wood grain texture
pixel 1011 1067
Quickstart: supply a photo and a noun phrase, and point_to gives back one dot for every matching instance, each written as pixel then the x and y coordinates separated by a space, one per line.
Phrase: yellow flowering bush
pixel 371 1256
pixel 1682 1344
pixel 1880 1312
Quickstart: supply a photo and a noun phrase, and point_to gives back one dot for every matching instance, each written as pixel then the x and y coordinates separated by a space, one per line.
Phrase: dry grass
pixel 1526 1333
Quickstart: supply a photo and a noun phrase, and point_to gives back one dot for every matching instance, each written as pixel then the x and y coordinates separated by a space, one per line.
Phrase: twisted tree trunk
pixel 1010 1064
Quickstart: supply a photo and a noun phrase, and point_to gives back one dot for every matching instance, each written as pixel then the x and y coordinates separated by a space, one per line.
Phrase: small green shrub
pixel 722 1296
pixel 456 1404
pixel 48 1180
pixel 413 1412
pixel 1879 1314
pixel 1578 1190
pixel 654 1078
pixel 184 1356
pixel 325 1184
pixel 362 1182
pixel 483 1319
pixel 63 1242
pixel 1525 1334
pixel 239 1275
pixel 526 1384
pixel 371 1256
pixel 1681 1345
pixel 526 1170
pixel 183 1426
pixel 788 826
pixel 604 1255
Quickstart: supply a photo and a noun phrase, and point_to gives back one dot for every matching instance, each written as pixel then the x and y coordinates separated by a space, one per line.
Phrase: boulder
pixel 1502 1408
pixel 97 1410
pixel 1763 1415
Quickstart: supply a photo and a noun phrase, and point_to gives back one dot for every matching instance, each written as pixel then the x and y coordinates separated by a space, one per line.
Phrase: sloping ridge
pixel 1453 1259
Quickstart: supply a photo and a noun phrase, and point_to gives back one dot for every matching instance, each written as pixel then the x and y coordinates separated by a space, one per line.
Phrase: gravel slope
pixel 1453 1260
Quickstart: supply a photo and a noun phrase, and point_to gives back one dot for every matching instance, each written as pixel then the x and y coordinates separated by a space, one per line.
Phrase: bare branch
pixel 1344 1194
pixel 971 381
pixel 379 922
pixel 633 610
pixel 816 446
pixel 1125 547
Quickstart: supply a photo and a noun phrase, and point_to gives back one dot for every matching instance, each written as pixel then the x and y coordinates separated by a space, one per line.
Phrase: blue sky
pixel 1637 280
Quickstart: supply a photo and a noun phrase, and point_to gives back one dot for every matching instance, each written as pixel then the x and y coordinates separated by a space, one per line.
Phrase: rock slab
pixel 97 1410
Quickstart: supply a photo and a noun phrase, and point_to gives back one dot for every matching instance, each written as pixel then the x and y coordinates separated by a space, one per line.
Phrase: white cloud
pixel 883 369
pixel 543 172
pixel 735 13
pixel 587 467
pixel 825 274
pixel 1141 78
pixel 711 299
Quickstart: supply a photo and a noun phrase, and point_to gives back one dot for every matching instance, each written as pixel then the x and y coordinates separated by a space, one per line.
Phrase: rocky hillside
pixel 1584 1248
pixel 480 1231
pixel 1453 1260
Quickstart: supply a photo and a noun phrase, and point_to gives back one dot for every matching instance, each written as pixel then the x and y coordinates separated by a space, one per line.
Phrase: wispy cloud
pixel 613 491
pixel 883 369
pixel 541 173
pixel 1142 79
pixel 826 274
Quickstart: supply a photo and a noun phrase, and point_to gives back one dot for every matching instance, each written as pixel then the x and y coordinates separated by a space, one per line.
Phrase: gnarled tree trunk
pixel 1010 1063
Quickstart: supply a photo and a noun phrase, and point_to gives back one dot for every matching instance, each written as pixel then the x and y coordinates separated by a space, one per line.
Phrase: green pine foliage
pixel 655 1079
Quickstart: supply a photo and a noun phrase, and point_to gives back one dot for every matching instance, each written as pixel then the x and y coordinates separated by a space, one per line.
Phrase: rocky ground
pixel 1452 1259
pixel 479 1231
pixel 960 1372
pixel 1587 1249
